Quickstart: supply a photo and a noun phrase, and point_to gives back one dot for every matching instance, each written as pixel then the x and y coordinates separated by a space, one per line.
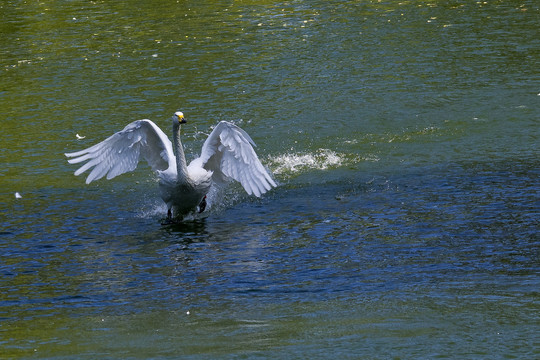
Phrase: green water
pixel 404 137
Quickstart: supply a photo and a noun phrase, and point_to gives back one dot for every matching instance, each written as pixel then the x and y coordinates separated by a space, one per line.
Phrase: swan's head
pixel 179 117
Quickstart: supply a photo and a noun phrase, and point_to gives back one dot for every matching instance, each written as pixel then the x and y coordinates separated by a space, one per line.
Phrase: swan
pixel 226 154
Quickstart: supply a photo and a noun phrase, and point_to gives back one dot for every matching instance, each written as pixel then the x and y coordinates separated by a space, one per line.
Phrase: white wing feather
pixel 229 154
pixel 121 152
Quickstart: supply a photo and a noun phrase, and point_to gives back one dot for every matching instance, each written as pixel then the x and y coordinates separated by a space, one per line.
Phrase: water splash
pixel 323 159
pixel 217 199
pixel 294 163
pixel 282 166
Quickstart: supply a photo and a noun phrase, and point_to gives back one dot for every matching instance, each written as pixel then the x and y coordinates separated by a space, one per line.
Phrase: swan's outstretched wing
pixel 229 154
pixel 121 152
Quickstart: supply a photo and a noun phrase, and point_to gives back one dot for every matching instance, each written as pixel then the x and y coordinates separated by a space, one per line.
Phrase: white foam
pixel 154 210
pixel 294 163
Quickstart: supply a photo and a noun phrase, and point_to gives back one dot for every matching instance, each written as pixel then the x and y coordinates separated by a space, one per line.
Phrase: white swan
pixel 226 154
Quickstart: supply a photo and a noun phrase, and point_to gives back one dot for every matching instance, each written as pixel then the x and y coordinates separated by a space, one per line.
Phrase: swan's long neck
pixel 181 165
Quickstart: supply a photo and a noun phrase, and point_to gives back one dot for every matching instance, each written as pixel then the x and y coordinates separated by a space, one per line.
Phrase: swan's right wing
pixel 229 154
pixel 121 152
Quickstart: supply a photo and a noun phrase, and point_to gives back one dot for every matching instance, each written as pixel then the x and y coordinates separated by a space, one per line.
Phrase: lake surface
pixel 404 137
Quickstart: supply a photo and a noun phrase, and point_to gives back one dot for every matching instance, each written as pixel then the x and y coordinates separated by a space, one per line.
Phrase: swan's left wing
pixel 229 154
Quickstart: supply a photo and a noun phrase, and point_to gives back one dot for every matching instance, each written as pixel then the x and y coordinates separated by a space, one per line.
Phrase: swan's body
pixel 226 154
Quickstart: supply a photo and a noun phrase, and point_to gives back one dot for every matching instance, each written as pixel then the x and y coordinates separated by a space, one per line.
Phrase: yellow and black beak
pixel 180 116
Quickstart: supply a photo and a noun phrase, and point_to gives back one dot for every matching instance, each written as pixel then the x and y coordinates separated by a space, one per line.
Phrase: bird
pixel 227 154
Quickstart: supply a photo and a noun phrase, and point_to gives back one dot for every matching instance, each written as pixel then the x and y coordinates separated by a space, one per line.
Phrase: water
pixel 404 137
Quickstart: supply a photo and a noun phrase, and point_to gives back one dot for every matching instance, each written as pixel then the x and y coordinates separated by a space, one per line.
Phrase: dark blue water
pixel 448 253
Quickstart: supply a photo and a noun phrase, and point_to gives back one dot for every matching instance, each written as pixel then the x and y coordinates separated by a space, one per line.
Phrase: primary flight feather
pixel 226 154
